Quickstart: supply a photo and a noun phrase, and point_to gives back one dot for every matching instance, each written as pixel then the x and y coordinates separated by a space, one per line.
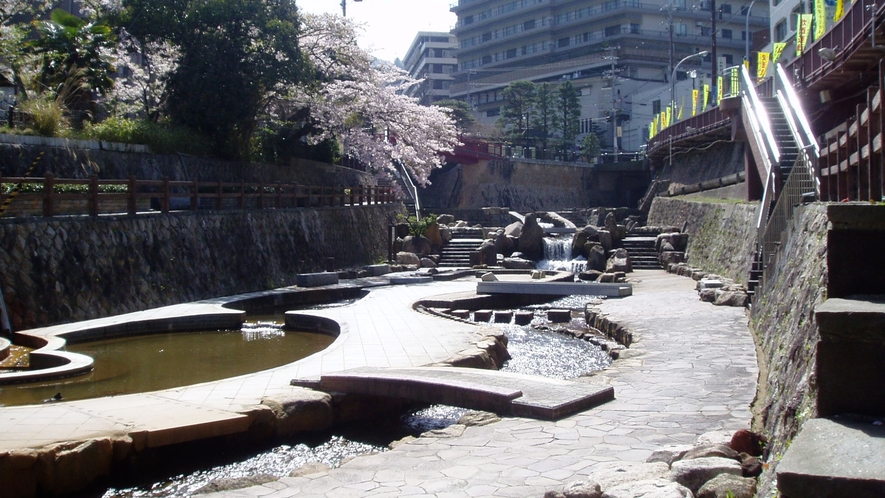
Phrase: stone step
pixel 834 458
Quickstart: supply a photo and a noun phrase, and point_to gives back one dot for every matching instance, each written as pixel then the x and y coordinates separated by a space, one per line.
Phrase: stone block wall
pixel 722 235
pixel 16 159
pixel 787 335
pixel 75 268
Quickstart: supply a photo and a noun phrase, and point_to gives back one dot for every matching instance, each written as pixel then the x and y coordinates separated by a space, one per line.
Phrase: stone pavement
pixel 381 330
pixel 691 370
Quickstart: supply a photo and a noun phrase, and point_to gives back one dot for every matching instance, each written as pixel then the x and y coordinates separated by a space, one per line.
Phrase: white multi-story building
pixel 431 59
pixel 612 50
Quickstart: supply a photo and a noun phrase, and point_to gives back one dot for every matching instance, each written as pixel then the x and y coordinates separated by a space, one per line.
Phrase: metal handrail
pixel 798 124
pixel 749 89
pixel 407 181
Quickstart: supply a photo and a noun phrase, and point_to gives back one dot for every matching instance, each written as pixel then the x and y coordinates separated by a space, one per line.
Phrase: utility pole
pixel 613 111
pixel 713 53
pixel 344 7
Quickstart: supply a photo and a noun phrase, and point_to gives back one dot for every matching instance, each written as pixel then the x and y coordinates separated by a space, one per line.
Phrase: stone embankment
pixel 78 268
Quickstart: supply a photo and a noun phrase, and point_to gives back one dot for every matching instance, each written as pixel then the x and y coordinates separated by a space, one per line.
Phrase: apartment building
pixel 431 58
pixel 610 49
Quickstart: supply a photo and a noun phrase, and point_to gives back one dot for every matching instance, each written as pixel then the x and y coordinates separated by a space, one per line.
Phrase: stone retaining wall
pixel 782 318
pixel 722 235
pixel 787 336
pixel 79 162
pixel 77 268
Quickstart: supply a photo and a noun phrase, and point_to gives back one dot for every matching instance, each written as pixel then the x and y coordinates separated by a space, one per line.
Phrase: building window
pixel 492 113
pixel 468 20
pixel 726 33
pixel 656 107
pixel 706 31
pixel 680 29
pixel 613 30
pixel 635 28
pixel 486 59
pixel 780 31
pixel 528 25
pixel 511 53
pixel 486 37
pixel 562 42
pixel 725 9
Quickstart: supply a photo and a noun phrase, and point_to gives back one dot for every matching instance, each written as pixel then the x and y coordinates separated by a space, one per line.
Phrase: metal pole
pixel 673 95
pixel 747 31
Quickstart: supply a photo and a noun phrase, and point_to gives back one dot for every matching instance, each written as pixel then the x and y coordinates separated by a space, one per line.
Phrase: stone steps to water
pixel 643 255
pixel 456 253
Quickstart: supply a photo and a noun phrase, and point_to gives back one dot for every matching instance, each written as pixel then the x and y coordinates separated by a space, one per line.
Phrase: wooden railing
pixel 49 196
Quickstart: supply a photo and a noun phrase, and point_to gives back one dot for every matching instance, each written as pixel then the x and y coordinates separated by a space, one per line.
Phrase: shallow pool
pixel 161 361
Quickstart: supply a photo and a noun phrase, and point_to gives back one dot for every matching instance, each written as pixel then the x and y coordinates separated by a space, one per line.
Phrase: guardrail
pixel 49 196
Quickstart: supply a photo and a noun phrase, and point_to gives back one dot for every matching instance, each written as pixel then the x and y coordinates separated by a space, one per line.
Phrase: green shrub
pixel 160 137
pixel 417 227
pixel 47 116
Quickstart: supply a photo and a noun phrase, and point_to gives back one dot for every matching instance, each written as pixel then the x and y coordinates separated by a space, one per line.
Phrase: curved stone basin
pixel 49 361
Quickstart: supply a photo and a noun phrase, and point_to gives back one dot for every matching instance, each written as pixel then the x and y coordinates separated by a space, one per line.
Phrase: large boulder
pixel 445 233
pixel 445 219
pixel 619 261
pixel 555 219
pixel 407 258
pixel 613 474
pixel 302 410
pixel 653 488
pixel 504 244
pixel 531 240
pixel 728 486
pixel 595 256
pixel 694 473
pixel 434 237
pixel 488 255
pixel 518 264
pixel 514 229
pixel 605 238
pixel 417 244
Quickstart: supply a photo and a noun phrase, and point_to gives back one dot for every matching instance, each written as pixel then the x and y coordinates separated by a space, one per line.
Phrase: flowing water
pixel 558 256
pixel 534 350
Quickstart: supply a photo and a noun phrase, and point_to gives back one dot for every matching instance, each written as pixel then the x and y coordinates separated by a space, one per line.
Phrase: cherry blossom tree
pixel 361 104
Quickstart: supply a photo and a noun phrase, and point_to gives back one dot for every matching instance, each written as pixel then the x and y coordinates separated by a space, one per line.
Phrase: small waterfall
pixel 558 256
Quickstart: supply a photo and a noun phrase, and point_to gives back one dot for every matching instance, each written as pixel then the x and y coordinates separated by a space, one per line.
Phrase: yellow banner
pixel 679 117
pixel 719 89
pixel 706 96
pixel 668 113
pixel 762 65
pixel 778 50
pixel 735 82
pixel 804 26
pixel 694 102
pixel 820 18
pixel 653 129
pixel 840 10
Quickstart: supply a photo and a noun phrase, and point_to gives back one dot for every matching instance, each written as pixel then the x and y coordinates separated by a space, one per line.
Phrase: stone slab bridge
pixel 490 390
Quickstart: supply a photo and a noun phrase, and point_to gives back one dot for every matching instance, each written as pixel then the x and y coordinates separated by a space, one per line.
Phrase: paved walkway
pixel 691 370
pixel 381 330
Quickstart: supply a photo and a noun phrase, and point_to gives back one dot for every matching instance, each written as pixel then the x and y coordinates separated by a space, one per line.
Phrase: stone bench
pixel 316 279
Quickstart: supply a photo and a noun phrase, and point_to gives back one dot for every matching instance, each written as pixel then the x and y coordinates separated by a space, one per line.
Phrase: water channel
pixel 535 349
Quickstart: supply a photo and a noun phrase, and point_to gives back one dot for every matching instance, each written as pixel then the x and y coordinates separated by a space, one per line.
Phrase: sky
pixel 389 26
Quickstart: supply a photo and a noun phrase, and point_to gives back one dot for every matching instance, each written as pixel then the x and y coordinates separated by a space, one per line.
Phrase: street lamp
pixel 747 31
pixel 344 7
pixel 673 93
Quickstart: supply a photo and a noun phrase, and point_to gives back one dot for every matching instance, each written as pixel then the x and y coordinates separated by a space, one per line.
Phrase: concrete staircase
pixel 643 255
pixel 843 452
pixel 456 253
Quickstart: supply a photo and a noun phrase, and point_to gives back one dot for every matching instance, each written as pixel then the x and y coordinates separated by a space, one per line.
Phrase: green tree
pixel 545 111
pixel 518 110
pixel 73 61
pixel 569 114
pixel 236 56
pixel 590 146
pixel 460 111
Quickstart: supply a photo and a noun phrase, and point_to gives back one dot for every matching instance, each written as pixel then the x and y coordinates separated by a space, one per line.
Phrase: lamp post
pixel 344 7
pixel 673 93
pixel 747 31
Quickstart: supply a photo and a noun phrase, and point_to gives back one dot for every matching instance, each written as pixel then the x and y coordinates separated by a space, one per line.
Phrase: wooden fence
pixel 50 196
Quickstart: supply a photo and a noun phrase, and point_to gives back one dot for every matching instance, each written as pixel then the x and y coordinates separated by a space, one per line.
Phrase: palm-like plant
pixel 73 49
